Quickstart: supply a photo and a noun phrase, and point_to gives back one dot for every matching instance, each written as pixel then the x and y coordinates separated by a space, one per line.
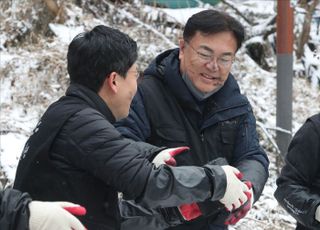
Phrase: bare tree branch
pixel 237 11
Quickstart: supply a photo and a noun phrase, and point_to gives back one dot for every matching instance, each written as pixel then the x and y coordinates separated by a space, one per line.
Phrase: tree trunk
pixel 304 36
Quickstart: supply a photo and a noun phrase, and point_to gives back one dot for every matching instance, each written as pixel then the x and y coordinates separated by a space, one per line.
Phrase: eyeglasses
pixel 136 72
pixel 224 61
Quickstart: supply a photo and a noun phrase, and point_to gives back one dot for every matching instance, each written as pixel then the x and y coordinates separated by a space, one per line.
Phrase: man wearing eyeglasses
pixel 189 97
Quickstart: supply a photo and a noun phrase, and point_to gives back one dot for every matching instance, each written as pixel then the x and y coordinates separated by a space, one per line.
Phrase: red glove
pixel 55 215
pixel 167 156
pixel 76 210
pixel 234 195
pixel 242 211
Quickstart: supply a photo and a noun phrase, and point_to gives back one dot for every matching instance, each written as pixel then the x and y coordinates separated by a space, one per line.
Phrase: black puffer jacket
pixel 299 182
pixel 14 212
pixel 88 162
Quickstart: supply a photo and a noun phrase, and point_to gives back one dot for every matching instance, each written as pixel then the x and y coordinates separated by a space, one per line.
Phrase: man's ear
pixel 182 44
pixel 111 82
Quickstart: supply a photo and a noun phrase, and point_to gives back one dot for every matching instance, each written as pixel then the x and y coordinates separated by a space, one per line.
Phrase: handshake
pixel 238 195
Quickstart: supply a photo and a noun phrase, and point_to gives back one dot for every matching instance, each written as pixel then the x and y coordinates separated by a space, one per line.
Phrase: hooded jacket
pixel 165 113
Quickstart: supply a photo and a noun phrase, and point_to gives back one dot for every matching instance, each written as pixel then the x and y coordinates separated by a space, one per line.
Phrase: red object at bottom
pixel 190 211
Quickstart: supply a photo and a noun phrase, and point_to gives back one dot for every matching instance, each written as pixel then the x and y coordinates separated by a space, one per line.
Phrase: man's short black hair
pixel 210 22
pixel 93 55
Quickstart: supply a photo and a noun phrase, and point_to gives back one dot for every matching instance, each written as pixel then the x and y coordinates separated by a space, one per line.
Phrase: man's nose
pixel 213 64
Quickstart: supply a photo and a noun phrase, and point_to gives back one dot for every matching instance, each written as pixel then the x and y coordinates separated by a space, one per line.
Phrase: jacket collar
pixel 91 98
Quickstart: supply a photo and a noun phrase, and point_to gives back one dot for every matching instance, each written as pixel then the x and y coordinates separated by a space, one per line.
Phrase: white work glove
pixel 167 156
pixel 55 216
pixel 241 212
pixel 235 195
pixel 317 214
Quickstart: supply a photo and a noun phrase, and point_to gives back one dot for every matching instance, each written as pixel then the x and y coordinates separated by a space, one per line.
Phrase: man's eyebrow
pixel 206 48
pixel 212 51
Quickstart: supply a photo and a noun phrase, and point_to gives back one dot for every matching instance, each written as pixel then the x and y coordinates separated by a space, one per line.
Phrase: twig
pixel 237 11
pixel 138 21
pixel 273 142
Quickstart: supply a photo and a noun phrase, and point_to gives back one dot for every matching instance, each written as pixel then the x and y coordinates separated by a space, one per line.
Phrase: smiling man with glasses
pixel 189 97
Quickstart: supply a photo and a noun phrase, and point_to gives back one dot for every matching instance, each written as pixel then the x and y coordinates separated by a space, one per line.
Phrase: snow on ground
pixel 11 148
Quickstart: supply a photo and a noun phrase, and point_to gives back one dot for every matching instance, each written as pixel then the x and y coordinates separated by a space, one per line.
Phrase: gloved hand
pixel 234 195
pixel 167 156
pixel 242 211
pixel 188 211
pixel 317 214
pixel 55 216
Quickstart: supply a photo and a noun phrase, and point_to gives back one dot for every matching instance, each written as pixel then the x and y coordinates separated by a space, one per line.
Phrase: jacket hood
pixel 166 68
pixel 167 59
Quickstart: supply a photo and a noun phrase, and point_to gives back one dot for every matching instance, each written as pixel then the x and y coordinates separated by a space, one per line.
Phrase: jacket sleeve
pixel 94 145
pixel 249 157
pixel 14 212
pixel 298 183
pixel 136 126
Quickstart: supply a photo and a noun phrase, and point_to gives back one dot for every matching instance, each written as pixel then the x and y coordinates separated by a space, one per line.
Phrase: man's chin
pixel 209 90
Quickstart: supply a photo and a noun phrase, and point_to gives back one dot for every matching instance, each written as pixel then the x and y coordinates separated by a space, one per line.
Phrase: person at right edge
pixel 188 97
pixel 298 186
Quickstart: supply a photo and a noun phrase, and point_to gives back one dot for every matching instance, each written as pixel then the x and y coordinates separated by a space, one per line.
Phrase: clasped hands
pixel 238 198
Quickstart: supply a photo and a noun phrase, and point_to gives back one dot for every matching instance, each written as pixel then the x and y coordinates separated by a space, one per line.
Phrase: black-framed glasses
pixel 223 61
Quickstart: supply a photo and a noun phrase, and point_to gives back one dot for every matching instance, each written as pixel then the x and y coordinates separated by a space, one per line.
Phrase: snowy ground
pixel 34 75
